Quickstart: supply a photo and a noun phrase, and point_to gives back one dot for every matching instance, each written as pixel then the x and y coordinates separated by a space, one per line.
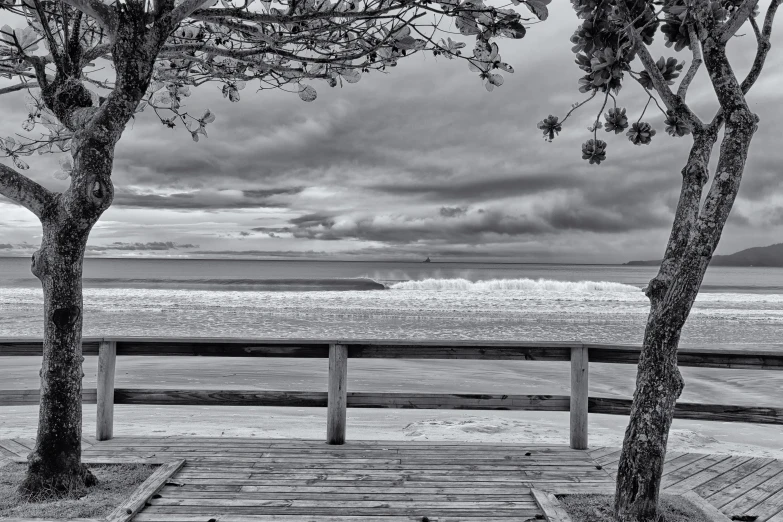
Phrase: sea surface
pixel 737 307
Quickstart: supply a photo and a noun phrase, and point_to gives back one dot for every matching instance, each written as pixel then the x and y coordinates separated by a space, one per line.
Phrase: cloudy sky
pixel 418 162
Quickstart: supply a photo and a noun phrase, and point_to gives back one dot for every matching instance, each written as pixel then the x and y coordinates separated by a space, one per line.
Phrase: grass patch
pixel 116 482
pixel 600 508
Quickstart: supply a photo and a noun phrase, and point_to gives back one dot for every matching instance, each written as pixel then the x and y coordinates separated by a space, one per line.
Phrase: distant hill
pixel 771 255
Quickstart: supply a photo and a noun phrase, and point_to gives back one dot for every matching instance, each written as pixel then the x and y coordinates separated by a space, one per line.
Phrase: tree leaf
pixel 307 93
pixel 351 75
pixel 513 29
pixel 538 7
pixel 21 165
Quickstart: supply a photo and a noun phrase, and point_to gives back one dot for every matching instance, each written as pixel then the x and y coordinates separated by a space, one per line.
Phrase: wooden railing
pixel 337 398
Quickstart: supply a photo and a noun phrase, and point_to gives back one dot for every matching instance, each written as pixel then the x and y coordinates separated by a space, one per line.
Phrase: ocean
pixel 737 307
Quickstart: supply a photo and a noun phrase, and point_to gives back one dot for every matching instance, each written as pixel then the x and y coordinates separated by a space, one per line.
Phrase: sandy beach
pixel 426 376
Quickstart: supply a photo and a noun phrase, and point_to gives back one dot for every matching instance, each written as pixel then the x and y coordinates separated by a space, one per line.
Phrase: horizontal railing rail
pixel 337 398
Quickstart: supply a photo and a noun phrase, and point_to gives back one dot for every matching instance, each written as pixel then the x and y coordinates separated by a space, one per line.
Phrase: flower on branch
pixel 485 59
pixel 594 151
pixel 605 68
pixel 616 120
pixel 550 126
pixel 676 126
pixel 641 133
pixel 450 48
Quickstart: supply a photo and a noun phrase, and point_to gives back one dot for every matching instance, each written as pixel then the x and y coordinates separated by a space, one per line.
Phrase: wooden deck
pixel 249 479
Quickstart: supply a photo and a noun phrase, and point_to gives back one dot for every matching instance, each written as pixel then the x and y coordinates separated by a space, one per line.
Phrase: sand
pixel 426 376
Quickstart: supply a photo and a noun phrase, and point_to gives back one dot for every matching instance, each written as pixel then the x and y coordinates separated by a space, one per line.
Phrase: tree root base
pixel 41 486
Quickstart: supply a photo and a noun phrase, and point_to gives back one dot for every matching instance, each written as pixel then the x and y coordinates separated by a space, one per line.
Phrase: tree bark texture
pixel 55 467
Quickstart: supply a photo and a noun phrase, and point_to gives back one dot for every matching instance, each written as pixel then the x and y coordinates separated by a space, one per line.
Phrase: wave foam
pixel 526 285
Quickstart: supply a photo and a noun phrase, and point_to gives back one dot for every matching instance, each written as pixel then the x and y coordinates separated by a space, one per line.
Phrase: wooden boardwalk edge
pixel 713 513
pixel 138 499
pixel 553 510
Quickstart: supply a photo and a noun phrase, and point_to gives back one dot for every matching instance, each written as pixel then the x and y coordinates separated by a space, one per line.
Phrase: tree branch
pixel 264 18
pixel 732 25
pixel 682 91
pixel 672 102
pixel 18 87
pixel 758 62
pixel 184 10
pixel 23 190
pixel 763 47
pixel 102 13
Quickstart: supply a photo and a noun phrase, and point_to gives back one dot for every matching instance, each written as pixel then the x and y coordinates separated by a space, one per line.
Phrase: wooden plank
pixel 742 486
pixel 204 347
pixel 745 502
pixel 18 450
pixel 220 397
pixel 696 411
pixel 34 347
pixel 713 513
pixel 451 350
pixel 394 495
pixel 354 399
pixel 597 453
pixel 126 511
pixel 351 488
pixel 553 510
pixel 107 358
pixel 52 520
pixel 706 474
pixel 579 394
pixel 29 397
pixel 311 512
pixel 699 357
pixel 337 395
pixel 222 516
pixel 6 453
pixel 328 501
pixel 675 476
pixel 28 443
pixel 769 507
pixel 727 479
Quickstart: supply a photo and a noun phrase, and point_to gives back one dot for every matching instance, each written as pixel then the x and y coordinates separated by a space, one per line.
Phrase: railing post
pixel 338 394
pixel 579 396
pixel 107 357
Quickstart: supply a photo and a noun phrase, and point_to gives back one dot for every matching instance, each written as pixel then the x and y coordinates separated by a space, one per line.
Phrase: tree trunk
pixel 672 294
pixel 55 468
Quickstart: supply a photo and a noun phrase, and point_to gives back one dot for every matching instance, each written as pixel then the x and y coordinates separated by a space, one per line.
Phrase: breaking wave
pixel 525 285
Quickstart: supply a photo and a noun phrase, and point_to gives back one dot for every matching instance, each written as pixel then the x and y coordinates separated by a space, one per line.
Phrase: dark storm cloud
pixel 207 199
pixel 313 220
pixel 152 245
pixel 452 211
pixel 402 229
pixel 6 246
pixel 266 193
